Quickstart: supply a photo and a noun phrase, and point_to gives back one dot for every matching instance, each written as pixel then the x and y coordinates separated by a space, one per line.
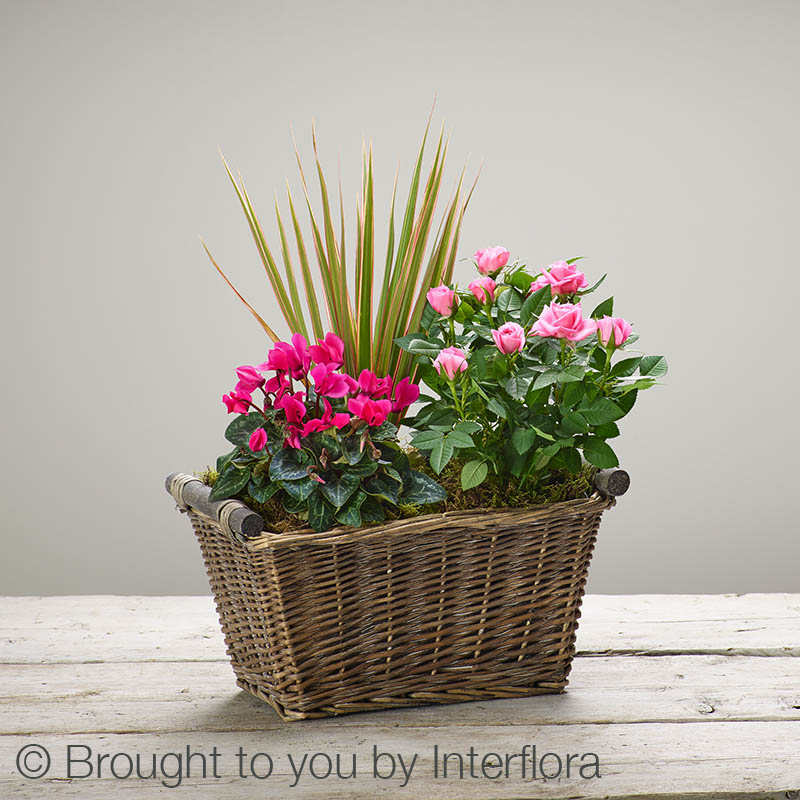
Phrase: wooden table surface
pixel 676 695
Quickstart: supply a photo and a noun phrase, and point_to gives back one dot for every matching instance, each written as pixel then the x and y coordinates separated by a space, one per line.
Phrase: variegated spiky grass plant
pixel 411 267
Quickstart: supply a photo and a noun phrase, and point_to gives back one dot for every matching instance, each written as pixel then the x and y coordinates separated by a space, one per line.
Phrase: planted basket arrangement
pixel 413 491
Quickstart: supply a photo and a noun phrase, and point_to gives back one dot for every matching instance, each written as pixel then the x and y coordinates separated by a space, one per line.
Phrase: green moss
pixel 494 492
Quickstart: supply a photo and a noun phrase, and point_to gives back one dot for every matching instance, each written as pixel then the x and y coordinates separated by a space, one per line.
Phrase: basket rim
pixel 596 502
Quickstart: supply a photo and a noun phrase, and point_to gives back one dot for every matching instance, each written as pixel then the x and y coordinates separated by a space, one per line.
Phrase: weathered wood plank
pixel 197 696
pixel 666 760
pixel 87 629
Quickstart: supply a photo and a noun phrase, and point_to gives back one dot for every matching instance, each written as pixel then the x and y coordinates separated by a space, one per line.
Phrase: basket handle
pixel 235 518
pixel 612 482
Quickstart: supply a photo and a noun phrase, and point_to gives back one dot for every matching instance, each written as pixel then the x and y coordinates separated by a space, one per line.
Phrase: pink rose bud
pixel 491 260
pixel 620 328
pixel 483 289
pixel 564 321
pixel 258 440
pixel 451 361
pixel 443 299
pixel 509 338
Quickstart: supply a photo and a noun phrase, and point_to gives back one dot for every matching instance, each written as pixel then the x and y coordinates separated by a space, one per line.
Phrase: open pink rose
pixel 451 361
pixel 616 326
pixel 563 279
pixel 258 440
pixel 329 350
pixel 564 321
pixel 373 412
pixel 491 260
pixel 509 338
pixel 443 299
pixel 483 289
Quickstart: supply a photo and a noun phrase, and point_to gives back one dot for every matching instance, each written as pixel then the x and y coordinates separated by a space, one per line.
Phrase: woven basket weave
pixel 441 608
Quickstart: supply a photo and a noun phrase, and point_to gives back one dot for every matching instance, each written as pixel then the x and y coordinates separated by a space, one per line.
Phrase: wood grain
pixel 679 696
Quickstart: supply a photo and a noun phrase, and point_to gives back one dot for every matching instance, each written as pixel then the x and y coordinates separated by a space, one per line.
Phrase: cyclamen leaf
pixel 238 432
pixel 420 489
pixel 387 490
pixel 229 483
pixel 653 366
pixel 599 453
pixel 473 473
pixel 320 514
pixel 338 489
pixel 300 489
pixel 262 493
pixel 285 467
pixel 350 513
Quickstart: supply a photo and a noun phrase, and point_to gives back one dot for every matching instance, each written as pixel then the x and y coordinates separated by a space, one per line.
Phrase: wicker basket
pixel 441 608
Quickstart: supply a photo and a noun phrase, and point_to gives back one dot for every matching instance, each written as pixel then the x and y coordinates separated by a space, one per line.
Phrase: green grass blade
pixel 272 335
pixel 289 270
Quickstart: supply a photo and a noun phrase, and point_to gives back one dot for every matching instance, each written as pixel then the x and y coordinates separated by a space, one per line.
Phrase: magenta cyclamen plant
pixel 525 384
pixel 318 439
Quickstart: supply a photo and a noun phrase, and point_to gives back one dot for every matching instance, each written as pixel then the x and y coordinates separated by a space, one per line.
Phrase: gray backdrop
pixel 659 140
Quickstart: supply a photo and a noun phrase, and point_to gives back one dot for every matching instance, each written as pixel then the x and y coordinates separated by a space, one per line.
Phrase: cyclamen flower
pixel 292 406
pixel 249 379
pixel 373 412
pixel 509 338
pixel 330 383
pixel 443 299
pixel 284 356
pixel 620 328
pixel 451 360
pixel 328 420
pixel 405 393
pixel 483 289
pixel 564 321
pixel 491 260
pixel 258 440
pixel 329 350
pixel 370 384
pixel 563 279
pixel 238 401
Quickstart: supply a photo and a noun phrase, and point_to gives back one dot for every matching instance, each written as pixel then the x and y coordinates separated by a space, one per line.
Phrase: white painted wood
pixel 149 675
pixel 108 628
pixel 640 760
pixel 198 696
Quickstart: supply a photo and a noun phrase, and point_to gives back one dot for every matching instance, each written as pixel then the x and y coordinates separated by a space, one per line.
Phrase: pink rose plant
pixel 509 338
pixel 491 260
pixel 450 361
pixel 563 279
pixel 564 321
pixel 443 299
pixel 483 289
pixel 615 328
